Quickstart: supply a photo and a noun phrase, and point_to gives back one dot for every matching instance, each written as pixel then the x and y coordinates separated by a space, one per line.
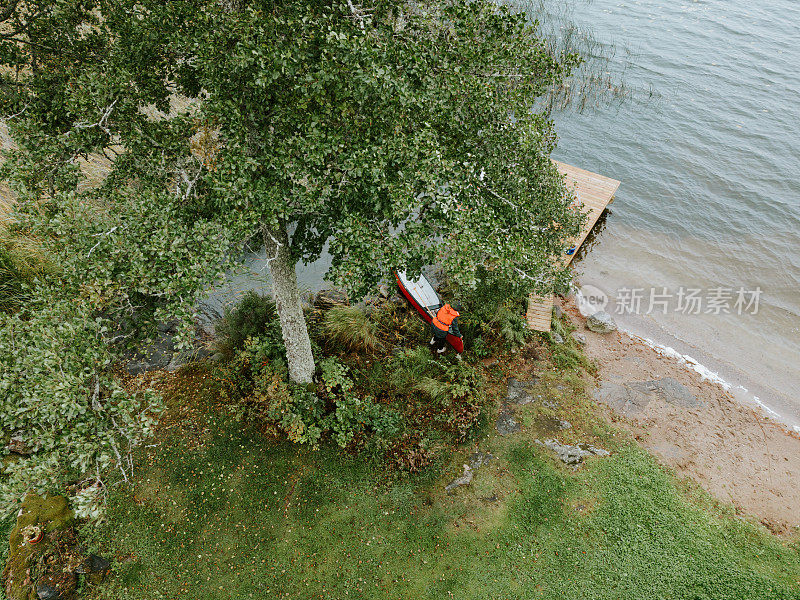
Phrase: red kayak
pixel 422 296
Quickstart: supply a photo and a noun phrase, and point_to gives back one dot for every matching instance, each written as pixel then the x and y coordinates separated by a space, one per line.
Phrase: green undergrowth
pixel 219 510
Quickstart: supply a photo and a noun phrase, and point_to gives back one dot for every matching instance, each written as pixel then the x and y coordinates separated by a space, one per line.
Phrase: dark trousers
pixel 439 338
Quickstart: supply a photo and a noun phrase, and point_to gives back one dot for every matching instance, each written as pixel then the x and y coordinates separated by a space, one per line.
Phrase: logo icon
pixel 591 299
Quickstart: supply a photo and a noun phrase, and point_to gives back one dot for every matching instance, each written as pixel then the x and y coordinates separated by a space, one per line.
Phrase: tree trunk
pixel 290 311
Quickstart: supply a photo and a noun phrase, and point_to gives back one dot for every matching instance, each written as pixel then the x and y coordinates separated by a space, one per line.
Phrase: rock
pixel 506 423
pixel 169 327
pixel 572 455
pixel 180 359
pixel 579 337
pixel 185 357
pixel 564 425
pixel 465 479
pixel 557 312
pixel 519 391
pixel 383 290
pixel 98 564
pixel 26 571
pixel 552 405
pixel 47 592
pixel 490 362
pixel 157 355
pixel 202 353
pixel 18 445
pixel 595 450
pixel 632 397
pixel 490 499
pixel 93 564
pixel 331 297
pixel 556 337
pixel 217 357
pixel 477 459
pixel 601 322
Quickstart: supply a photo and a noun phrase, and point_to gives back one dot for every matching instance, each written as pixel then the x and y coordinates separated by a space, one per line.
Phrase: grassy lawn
pixel 220 511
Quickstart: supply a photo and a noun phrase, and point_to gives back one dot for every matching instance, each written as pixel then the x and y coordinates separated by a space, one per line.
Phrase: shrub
pixel 512 327
pixel 253 317
pixel 567 355
pixel 453 392
pixel 481 348
pixel 256 383
pixel 351 328
pixel 356 418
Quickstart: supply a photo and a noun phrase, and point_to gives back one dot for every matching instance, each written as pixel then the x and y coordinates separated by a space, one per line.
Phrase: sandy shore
pixel 697 428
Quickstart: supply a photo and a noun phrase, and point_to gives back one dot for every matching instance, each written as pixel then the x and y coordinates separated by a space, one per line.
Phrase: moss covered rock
pixel 48 562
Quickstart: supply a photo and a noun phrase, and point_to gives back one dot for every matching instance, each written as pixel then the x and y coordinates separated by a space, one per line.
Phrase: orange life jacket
pixel 444 317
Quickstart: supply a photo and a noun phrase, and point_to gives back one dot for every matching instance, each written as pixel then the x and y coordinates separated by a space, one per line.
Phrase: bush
pixel 512 327
pixel 453 393
pixel 253 317
pixel 351 328
pixel 256 382
pixel 356 419
pixel 493 312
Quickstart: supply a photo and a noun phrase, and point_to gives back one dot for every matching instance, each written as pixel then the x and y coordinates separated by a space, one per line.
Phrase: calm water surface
pixel 710 194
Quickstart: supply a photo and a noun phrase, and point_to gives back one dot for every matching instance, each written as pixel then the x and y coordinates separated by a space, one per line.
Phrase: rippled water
pixel 710 172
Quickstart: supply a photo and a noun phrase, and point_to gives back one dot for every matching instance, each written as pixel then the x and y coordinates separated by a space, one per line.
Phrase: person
pixel 445 321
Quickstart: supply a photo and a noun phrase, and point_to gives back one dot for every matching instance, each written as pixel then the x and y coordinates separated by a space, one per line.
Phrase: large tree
pixel 392 134
pixel 401 133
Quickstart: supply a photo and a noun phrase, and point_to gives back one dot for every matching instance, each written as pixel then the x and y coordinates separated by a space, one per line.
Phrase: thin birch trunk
pixel 290 311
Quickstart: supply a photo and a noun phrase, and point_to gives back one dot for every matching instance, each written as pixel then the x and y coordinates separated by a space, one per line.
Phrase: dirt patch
pixel 697 428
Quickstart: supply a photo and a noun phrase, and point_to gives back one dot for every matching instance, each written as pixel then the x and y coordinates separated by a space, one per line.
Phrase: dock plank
pixel 595 192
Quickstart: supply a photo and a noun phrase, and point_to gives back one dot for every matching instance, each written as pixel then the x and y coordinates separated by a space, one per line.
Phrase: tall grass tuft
pixel 22 260
pixel 352 328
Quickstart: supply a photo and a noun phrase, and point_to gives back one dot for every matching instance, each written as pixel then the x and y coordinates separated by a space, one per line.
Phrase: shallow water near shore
pixel 710 195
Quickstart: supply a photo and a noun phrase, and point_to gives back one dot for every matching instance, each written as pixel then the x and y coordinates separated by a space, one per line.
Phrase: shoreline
pixel 693 424
pixel 710 367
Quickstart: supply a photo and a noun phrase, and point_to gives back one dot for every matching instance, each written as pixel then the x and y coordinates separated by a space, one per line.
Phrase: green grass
pixel 351 327
pixel 219 511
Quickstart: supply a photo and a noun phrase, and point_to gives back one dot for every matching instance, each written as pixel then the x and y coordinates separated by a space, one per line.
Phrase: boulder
pixel 630 398
pixel 329 298
pixel 572 455
pixel 506 423
pixel 519 391
pixel 579 337
pixel 601 322
pixel 465 479
pixel 47 592
pixel 477 459
pixel 157 355
pixel 185 357
pixel 556 337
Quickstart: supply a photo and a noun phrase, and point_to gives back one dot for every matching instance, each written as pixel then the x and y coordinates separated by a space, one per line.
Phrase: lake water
pixel 710 194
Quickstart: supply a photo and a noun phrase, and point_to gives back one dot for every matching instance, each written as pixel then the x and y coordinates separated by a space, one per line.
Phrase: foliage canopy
pixel 395 136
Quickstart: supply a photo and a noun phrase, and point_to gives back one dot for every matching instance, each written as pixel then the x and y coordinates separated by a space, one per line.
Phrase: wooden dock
pixel 595 192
